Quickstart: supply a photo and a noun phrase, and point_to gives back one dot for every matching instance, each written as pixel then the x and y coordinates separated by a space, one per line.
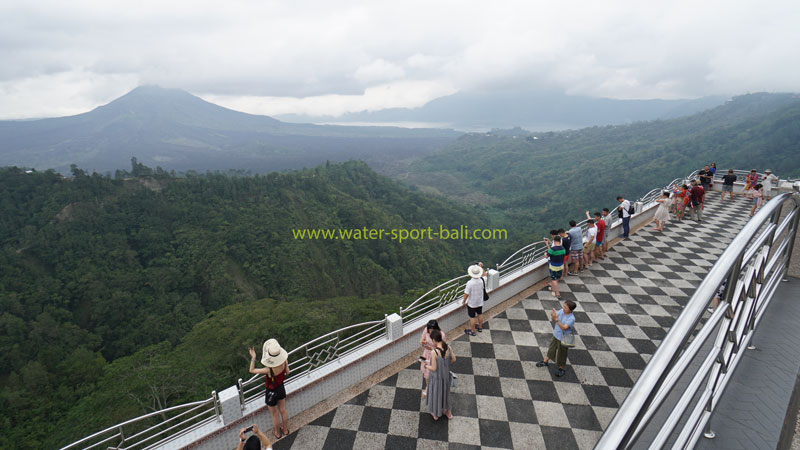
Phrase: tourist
pixel 591 242
pixel 680 201
pixel 769 182
pixel 719 295
pixel 706 176
pixel 555 254
pixel 605 213
pixel 438 398
pixel 758 198
pixel 256 441
pixel 564 324
pixel 473 298
pixel 750 180
pixel 662 213
pixel 624 209
pixel 576 246
pixel 713 170
pixel 727 184
pixel 600 224
pixel 276 368
pixel 697 197
pixel 427 345
pixel 566 242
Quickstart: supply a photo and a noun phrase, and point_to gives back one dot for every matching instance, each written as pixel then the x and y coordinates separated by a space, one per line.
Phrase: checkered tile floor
pixel 626 305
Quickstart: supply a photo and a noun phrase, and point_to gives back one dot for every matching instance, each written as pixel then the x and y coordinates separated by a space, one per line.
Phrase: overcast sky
pixel 329 57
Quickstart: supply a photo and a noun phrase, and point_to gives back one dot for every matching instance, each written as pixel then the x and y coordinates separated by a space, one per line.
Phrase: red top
pixel 274 382
pixel 601 230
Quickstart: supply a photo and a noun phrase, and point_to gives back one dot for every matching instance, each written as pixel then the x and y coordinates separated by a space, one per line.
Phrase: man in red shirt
pixel 697 195
pixel 599 250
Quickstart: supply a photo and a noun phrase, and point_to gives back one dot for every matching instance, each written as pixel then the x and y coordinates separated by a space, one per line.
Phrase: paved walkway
pixel 626 305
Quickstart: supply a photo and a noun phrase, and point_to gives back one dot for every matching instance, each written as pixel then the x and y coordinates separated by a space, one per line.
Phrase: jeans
pixel 626 226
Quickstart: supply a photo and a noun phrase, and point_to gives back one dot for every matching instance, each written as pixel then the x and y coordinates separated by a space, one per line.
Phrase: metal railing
pixel 752 265
pixel 332 346
pixel 143 434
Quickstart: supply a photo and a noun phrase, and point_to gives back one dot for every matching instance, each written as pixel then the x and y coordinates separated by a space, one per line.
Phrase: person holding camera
pixel 276 369
pixel 256 441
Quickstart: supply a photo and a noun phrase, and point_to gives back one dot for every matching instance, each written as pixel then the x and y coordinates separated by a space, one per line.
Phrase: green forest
pixel 122 295
pixel 531 181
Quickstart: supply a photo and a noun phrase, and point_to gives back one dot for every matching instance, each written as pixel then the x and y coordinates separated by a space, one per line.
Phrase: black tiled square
pixel 645 300
pixel 519 325
pixel 654 333
pixel 560 438
pixel 627 281
pixel 400 442
pixel 391 381
pixel 537 314
pixel 582 417
pixel 481 350
pixel 616 377
pixel 605 298
pixel 621 319
pixel 578 287
pixel 460 446
pixel 613 289
pixel 510 369
pixel 435 430
pixel 340 439
pixel 591 279
pixel 591 306
pixel 529 353
pixel 406 399
pixel 633 309
pixel 672 275
pixel 544 391
pixel 325 420
pixel 643 346
pixel 629 360
pixel 501 337
pixel 463 365
pixel 520 410
pixel 608 330
pixel 600 396
pixel 360 399
pixel 594 343
pixel 543 339
pixel 580 316
pixel 579 356
pixel 495 433
pixel 652 290
pixel 664 321
pixel 375 420
pixel 465 405
pixel 488 386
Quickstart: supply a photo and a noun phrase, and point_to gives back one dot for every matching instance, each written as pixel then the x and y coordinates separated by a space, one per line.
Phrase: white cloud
pixel 321 55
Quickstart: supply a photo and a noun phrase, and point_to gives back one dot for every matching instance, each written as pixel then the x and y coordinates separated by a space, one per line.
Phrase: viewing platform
pixel 360 387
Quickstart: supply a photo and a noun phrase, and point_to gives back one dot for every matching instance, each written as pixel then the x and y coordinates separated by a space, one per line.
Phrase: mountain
pixel 538 110
pixel 176 130
pixel 536 180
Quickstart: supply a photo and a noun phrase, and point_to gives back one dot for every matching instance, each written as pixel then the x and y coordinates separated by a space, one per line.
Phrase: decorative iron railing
pixel 752 266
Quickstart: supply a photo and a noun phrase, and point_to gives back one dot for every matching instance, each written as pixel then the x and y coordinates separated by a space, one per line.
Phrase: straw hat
pixel 475 271
pixel 274 355
pixel 767 171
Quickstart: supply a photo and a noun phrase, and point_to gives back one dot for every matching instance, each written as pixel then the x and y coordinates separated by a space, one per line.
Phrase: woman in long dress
pixel 662 213
pixel 681 199
pixel 438 399
pixel 428 345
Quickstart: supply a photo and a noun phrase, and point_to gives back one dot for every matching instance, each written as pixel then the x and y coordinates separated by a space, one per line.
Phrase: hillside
pixel 532 109
pixel 95 269
pixel 531 181
pixel 175 130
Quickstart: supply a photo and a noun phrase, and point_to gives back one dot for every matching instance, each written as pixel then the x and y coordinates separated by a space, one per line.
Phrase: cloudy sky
pixel 328 57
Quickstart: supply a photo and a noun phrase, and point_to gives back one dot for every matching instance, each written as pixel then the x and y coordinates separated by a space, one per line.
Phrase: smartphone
pixel 421 359
pixel 248 429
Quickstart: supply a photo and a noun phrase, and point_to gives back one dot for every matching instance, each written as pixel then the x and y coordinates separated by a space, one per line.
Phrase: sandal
pixel 480 329
pixel 449 415
pixel 285 430
pixel 470 332
pixel 434 417
pixel 542 364
pixel 276 436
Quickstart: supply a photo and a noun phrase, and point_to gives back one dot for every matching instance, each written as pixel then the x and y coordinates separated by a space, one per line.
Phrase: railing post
pixel 121 437
pixel 230 405
pixel 394 327
pixel 216 405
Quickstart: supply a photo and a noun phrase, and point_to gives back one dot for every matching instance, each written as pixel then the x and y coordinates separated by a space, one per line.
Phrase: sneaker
pixel 542 364
pixel 710 309
pixel 469 332
pixel 573 273
pixel 561 372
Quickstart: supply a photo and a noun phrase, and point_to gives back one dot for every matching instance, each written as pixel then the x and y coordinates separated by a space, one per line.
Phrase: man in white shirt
pixel 624 209
pixel 591 240
pixel 473 298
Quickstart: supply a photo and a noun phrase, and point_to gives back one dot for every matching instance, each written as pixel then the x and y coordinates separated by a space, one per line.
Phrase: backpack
pixel 631 210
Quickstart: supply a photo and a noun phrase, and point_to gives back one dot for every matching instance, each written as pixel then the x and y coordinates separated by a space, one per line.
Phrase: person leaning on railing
pixel 256 441
pixel 276 369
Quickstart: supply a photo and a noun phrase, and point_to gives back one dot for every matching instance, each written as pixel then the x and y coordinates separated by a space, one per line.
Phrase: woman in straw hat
pixel 276 368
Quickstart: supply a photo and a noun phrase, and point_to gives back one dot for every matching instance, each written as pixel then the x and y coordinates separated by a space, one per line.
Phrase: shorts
pixel 727 188
pixel 589 247
pixel 566 259
pixel 472 312
pixel 555 274
pixel 576 254
pixel 280 392
pixel 755 201
pixel 599 242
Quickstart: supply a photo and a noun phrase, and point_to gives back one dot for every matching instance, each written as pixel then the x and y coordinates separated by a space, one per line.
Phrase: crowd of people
pixel 568 254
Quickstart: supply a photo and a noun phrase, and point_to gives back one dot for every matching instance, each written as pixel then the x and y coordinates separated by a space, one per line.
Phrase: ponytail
pixel 436 336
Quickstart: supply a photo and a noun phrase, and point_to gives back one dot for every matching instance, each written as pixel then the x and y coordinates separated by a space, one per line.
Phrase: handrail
pixel 753 264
